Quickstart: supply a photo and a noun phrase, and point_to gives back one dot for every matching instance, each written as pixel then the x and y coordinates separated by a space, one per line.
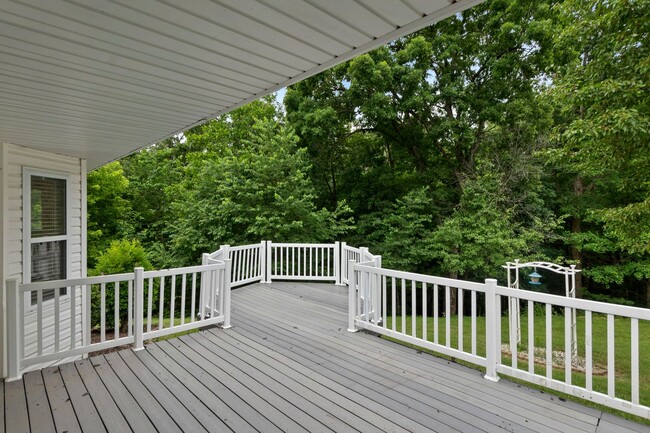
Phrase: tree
pixel 107 208
pixel 602 139
pixel 121 257
pixel 241 194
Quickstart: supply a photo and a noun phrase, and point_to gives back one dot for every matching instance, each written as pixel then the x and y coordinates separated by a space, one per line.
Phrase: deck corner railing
pixel 95 313
pixel 405 306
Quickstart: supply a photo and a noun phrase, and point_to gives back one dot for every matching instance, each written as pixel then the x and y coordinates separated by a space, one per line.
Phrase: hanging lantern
pixel 534 279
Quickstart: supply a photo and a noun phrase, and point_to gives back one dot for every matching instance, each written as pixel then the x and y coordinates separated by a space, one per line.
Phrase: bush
pixel 121 257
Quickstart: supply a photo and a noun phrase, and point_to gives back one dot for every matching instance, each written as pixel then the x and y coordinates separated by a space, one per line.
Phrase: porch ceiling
pixel 99 79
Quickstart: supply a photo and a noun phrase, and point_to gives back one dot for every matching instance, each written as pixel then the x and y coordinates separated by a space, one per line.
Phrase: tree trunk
pixel 647 293
pixel 575 253
pixel 453 295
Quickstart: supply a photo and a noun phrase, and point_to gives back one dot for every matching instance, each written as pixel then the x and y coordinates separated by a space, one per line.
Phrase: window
pixel 46 230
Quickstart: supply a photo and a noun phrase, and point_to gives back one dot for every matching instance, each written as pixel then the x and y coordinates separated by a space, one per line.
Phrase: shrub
pixel 121 257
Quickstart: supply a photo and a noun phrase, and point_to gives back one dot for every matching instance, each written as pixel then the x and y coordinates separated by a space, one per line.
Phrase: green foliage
pixel 602 137
pixel 121 257
pixel 483 232
pixel 257 191
pixel 107 208
pixel 516 129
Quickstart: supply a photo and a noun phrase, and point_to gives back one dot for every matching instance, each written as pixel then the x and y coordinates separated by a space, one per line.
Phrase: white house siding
pixel 15 159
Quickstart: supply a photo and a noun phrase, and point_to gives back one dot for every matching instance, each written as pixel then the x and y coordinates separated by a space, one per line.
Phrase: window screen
pixel 48 220
pixel 48 206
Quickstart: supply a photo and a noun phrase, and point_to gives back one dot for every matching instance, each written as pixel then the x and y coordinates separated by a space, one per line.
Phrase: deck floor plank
pixel 587 419
pixel 391 384
pixel 172 406
pixel 133 414
pixel 256 411
pixel 38 406
pixel 2 407
pixel 60 403
pixel 309 415
pixel 146 400
pixel 384 384
pixel 194 396
pixel 182 405
pixel 265 401
pixel 368 409
pixel 111 415
pixel 17 418
pixel 307 388
pixel 87 414
pixel 417 383
pixel 288 364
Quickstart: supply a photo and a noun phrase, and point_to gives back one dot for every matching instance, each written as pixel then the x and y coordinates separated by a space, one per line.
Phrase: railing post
pixel 491 329
pixel 138 309
pixel 337 263
pixel 363 254
pixel 344 263
pixel 352 297
pixel 376 296
pixel 204 288
pixel 226 295
pixel 263 261
pixel 269 268
pixel 14 331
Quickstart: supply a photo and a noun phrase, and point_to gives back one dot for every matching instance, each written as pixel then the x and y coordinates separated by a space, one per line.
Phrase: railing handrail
pixel 306 245
pixel 598 307
pixel 243 247
pixel 429 279
pixel 184 270
pixel 50 284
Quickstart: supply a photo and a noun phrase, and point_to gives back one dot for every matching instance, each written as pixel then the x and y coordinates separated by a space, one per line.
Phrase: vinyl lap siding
pixel 16 158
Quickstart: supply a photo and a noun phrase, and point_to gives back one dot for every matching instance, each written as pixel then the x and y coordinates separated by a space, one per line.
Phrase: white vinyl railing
pixel 356 255
pixel 433 313
pixel 268 261
pixel 460 319
pixel 248 262
pixel 313 262
pixel 98 313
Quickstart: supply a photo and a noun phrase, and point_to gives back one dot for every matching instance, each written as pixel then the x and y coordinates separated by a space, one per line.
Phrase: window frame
pixel 28 240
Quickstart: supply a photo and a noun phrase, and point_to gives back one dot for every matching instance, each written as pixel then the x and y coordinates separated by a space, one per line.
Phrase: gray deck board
pixel 2 407
pixel 169 403
pixel 87 415
pixel 367 410
pixel 266 402
pixel 231 393
pixel 40 413
pixel 147 402
pixel 60 403
pixel 303 411
pixel 432 365
pixel 187 409
pixel 383 384
pixel 336 415
pixel 288 364
pixel 110 414
pixel 469 402
pixel 16 407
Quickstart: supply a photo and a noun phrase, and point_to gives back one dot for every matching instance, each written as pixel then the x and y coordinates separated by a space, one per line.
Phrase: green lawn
pixel 599 335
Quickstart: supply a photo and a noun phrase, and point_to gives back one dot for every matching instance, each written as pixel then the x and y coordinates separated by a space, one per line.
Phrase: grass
pixel 155 322
pixel 622 349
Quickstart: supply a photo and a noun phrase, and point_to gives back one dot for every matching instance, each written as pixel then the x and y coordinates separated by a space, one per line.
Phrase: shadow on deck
pixel 288 364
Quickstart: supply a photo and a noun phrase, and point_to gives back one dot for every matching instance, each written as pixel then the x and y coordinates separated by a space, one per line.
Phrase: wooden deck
pixel 288 364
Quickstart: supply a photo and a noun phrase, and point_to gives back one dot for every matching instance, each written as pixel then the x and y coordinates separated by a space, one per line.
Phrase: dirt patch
pixel 578 363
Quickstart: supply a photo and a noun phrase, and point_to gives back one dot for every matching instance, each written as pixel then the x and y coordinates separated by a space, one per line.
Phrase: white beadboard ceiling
pixel 98 79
